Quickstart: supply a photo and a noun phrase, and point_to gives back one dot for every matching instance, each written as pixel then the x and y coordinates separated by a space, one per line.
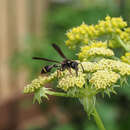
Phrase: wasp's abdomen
pixel 46 69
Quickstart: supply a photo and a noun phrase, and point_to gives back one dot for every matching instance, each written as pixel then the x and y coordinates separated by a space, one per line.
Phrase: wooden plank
pixel 13 46
pixel 4 51
pixel 22 31
pixel 38 17
pixel 41 7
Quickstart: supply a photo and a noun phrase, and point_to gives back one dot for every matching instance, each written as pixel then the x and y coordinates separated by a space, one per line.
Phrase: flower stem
pixel 61 94
pixel 98 120
pixel 89 107
pixel 121 43
pixel 58 94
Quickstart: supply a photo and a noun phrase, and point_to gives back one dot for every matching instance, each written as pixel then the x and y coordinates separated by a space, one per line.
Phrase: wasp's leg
pixel 82 67
pixel 58 73
pixel 58 69
pixel 69 69
pixel 76 72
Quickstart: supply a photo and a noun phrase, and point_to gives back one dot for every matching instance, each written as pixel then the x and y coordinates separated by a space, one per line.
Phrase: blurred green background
pixel 63 113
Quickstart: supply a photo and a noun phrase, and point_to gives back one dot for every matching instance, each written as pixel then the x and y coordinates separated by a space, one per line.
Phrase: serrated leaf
pixel 123 81
pixel 39 94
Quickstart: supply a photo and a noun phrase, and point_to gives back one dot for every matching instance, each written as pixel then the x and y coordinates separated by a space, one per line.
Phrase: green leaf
pixel 39 94
pixel 88 104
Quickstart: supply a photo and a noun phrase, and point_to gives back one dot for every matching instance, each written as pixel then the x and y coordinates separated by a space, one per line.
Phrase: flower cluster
pixel 110 25
pixel 39 82
pixel 126 58
pixel 103 79
pixel 71 80
pixel 95 49
pixel 105 72
pixel 117 66
pixel 99 69
pixel 125 35
pixel 112 65
pixel 80 34
pixel 83 34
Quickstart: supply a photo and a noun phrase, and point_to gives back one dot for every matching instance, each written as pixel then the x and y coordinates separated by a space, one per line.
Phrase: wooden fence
pixel 17 19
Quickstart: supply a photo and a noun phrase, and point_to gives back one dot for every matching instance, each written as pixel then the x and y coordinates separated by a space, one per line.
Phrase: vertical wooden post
pixel 4 51
pixel 14 27
pixel 12 45
pixel 22 20
pixel 40 13
pixel 22 30
pixel 38 17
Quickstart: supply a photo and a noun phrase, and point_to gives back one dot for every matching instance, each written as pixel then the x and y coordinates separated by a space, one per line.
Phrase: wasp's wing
pixel 45 59
pixel 57 48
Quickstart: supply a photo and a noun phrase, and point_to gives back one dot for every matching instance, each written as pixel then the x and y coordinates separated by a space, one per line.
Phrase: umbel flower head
pixel 72 80
pixel 84 34
pixel 38 83
pixel 103 79
pixel 95 49
pixel 101 74
pixel 99 69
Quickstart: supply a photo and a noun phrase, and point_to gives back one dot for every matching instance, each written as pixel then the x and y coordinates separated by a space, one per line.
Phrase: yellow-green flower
pixel 117 66
pixel 95 49
pixel 125 36
pixel 107 64
pixel 71 80
pixel 103 79
pixel 84 33
pixel 110 25
pixel 39 82
pixel 126 58
pixel 89 66
pixel 127 29
pixel 80 34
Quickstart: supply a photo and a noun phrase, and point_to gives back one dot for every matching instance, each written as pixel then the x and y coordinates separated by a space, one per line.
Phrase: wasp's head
pixel 74 65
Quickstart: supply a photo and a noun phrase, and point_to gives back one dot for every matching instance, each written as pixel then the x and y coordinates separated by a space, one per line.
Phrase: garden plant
pixel 103 69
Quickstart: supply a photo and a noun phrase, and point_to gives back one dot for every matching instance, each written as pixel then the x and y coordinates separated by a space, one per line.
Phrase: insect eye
pixel 72 64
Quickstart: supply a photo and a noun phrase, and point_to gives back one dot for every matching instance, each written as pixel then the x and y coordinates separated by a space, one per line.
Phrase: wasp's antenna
pixel 82 67
pixel 45 59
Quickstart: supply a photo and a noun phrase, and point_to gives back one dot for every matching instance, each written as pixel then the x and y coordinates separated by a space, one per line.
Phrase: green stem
pixel 98 120
pixel 58 94
pixel 61 94
pixel 89 106
pixel 121 43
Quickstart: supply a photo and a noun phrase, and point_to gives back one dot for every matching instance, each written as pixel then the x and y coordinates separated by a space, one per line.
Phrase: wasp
pixel 65 64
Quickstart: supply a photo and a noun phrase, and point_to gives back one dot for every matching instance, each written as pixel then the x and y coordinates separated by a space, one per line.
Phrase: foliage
pixel 62 18
pixel 100 69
